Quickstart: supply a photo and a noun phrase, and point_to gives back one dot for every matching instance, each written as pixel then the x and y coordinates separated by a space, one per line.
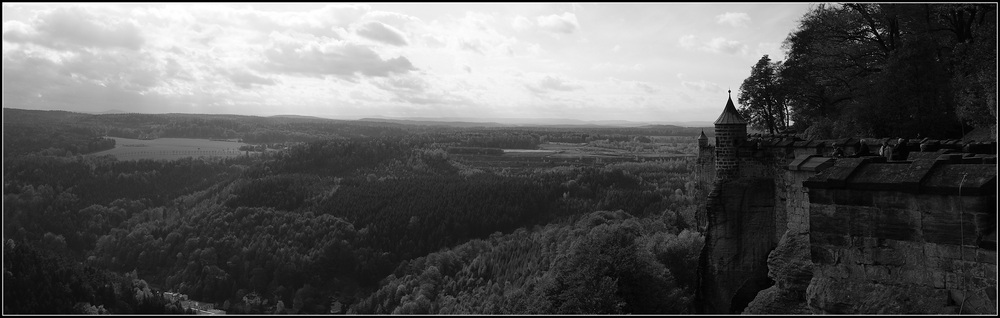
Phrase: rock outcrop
pixel 790 267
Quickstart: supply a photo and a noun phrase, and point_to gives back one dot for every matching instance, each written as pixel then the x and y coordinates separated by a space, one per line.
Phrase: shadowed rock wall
pixel 740 235
pixel 789 264
pixel 899 218
pixel 900 238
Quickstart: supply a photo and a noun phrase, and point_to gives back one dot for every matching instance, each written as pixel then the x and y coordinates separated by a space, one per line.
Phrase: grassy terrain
pixel 171 148
pixel 592 154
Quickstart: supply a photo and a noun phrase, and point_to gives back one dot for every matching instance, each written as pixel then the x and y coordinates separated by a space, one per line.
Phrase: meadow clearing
pixel 171 148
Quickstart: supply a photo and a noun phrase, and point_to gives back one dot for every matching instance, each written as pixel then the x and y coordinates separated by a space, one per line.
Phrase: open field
pixel 560 150
pixel 171 148
pixel 553 154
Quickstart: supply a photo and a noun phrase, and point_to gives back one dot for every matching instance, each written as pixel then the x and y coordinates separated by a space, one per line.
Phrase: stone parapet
pixel 946 175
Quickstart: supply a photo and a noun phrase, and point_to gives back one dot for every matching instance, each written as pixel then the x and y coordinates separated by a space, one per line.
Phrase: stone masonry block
pixel 952 281
pixel 978 270
pixel 917 277
pixel 931 250
pixel 938 279
pixel 876 273
pixel 942 264
pixel 863 256
pixel 969 253
pixel 990 270
pixel 841 272
pixel 949 251
pixel 914 258
pixel 888 256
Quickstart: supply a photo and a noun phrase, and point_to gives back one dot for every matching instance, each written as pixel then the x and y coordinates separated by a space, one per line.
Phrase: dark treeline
pixel 881 70
pixel 50 133
pixel 38 281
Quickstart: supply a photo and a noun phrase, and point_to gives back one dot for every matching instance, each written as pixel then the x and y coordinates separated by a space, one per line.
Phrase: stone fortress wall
pixel 792 229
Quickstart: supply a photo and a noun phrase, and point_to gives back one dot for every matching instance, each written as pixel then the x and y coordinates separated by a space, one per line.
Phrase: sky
pixel 646 62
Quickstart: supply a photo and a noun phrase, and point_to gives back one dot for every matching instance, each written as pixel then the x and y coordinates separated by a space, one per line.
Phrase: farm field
pixel 584 150
pixel 171 148
pixel 552 154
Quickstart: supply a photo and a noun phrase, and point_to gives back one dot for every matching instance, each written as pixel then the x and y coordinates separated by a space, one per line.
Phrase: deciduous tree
pixel 761 99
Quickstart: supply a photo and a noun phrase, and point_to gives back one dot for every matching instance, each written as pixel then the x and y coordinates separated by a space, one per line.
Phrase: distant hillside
pixel 529 122
pixel 298 116
pixel 460 124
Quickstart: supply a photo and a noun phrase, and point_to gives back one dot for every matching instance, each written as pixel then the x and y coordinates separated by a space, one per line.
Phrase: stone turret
pixel 706 163
pixel 730 133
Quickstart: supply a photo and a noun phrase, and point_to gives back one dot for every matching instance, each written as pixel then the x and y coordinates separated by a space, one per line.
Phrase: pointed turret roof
pixel 729 115
pixel 702 137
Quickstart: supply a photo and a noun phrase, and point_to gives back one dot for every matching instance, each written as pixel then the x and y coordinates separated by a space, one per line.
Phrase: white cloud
pixel 736 19
pixel 478 20
pixel 474 45
pixel 557 83
pixel 630 87
pixel 565 23
pixel 687 41
pixel 726 46
pixel 75 27
pixel 715 45
pixel 702 85
pixel 382 33
pixel 521 23
pixel 534 49
pixel 395 19
pixel 245 79
pixel 341 59
pixel 335 14
pixel 417 90
pixel 548 83
pixel 614 67
pixel 473 33
pixel 646 87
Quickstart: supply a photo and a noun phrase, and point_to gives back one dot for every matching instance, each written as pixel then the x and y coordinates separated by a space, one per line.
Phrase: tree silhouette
pixel 761 99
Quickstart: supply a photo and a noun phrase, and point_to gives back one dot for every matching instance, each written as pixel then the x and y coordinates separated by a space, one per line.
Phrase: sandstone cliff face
pixel 879 238
pixel 740 236
pixel 852 235
pixel 789 265
pixel 791 269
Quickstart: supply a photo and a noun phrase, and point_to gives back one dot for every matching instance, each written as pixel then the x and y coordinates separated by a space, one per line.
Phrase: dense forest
pixel 880 70
pixel 340 219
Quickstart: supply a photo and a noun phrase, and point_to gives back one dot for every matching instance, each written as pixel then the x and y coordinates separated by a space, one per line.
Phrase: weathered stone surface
pixel 816 164
pixel 789 264
pixel 739 238
pixel 962 179
pixel 902 237
pixel 844 296
pixel 799 160
pixel 948 175
pixel 775 300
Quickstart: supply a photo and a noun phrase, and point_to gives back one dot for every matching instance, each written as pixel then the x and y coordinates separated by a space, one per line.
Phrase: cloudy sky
pixel 588 61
